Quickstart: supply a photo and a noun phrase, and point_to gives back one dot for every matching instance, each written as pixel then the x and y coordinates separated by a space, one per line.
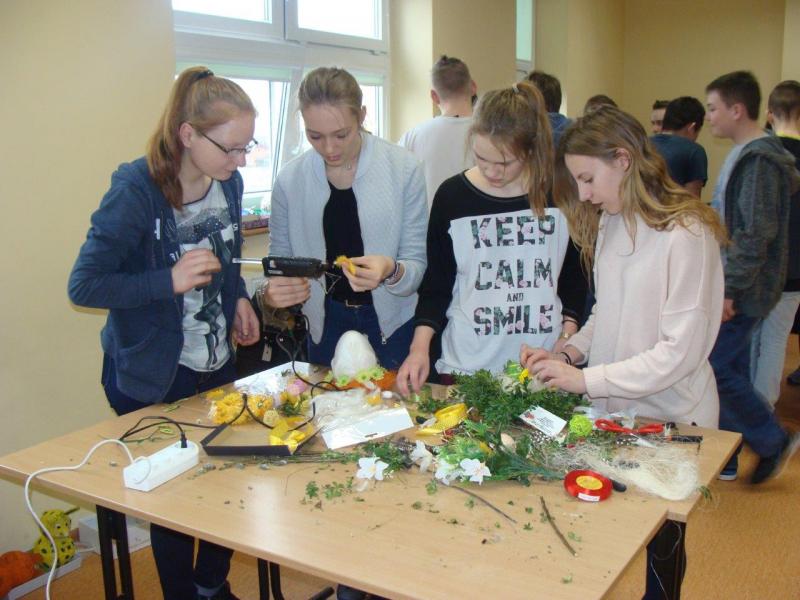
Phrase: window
pixel 248 41
pixel 525 37
pixel 352 23
pixel 269 97
pixel 250 10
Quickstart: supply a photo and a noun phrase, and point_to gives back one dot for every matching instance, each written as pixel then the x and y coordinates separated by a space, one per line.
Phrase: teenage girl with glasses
pixel 159 256
pixel 501 267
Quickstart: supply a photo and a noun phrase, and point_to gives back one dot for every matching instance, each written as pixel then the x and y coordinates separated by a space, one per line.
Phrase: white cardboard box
pixel 41 580
pixel 138 534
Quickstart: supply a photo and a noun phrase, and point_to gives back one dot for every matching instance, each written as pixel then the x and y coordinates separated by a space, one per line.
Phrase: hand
pixel 370 272
pixel 559 345
pixel 194 269
pixel 246 328
pixel 558 374
pixel 728 312
pixel 529 357
pixel 286 291
pixel 568 326
pixel 414 370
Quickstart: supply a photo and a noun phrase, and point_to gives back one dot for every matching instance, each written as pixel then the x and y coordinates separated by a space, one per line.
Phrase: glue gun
pixel 287 266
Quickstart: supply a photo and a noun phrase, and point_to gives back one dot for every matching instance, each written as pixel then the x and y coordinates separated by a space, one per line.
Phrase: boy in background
pixel 440 143
pixel 752 194
pixel 769 339
pixel 657 115
pixel 677 143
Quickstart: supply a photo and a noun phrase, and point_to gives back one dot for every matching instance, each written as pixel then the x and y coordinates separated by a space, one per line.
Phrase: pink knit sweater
pixel 659 304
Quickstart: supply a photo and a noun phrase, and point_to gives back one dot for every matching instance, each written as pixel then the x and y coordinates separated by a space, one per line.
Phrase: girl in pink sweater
pixel 654 253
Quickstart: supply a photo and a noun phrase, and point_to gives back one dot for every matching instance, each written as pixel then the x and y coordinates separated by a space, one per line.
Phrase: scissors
pixel 608 425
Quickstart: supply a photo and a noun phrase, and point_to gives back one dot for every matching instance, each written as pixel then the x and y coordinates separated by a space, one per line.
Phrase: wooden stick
pixel 555 528
pixel 486 502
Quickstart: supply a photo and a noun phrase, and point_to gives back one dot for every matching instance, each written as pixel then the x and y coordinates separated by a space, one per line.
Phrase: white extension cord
pixel 35 474
pixel 144 473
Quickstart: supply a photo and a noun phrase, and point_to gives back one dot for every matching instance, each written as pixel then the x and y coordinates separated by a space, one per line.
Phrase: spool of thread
pixel 587 485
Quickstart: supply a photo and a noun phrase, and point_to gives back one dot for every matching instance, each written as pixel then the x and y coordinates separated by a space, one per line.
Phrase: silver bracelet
pixel 393 278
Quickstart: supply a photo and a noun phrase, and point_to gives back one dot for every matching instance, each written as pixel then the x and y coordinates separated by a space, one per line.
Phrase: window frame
pixel 238 48
pixel 230 27
pixel 326 38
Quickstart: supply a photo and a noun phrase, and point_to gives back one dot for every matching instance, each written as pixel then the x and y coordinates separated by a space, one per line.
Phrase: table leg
pixel 666 562
pixel 275 581
pixel 111 526
pixel 263 579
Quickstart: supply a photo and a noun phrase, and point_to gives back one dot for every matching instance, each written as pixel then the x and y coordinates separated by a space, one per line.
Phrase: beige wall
pixel 479 32
pixel 595 52
pixel 482 34
pixel 84 84
pixel 790 68
pixel 581 42
pixel 411 57
pixel 715 38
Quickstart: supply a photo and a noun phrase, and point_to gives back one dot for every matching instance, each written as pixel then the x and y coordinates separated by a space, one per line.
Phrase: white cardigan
pixel 393 211
pixel 658 311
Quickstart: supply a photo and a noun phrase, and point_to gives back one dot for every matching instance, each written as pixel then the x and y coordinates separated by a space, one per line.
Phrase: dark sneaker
pixel 224 593
pixel 793 378
pixel 345 592
pixel 728 475
pixel 771 466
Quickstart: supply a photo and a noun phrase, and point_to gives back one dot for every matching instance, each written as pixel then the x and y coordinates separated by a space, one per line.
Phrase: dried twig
pixel 486 502
pixel 555 527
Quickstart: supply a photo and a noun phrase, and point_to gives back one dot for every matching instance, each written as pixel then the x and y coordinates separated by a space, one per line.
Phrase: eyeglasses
pixel 232 152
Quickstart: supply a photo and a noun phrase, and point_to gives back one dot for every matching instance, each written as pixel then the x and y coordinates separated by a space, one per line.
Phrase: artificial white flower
pixel 371 468
pixel 475 469
pixel 422 456
pixel 445 472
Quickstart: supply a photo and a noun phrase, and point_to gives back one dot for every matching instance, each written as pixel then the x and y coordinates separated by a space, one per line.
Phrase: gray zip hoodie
pixel 757 201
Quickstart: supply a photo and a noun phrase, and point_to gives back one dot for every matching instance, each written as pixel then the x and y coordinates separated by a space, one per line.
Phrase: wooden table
pixel 394 539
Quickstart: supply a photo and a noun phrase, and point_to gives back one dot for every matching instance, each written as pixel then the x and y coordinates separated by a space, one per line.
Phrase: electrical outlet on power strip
pixel 149 472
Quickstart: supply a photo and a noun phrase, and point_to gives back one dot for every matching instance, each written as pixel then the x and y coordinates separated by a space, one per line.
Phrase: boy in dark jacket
pixel 753 195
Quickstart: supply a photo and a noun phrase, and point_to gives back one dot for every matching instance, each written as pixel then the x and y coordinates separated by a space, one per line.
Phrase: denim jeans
pixel 741 408
pixel 391 351
pixel 768 347
pixel 173 551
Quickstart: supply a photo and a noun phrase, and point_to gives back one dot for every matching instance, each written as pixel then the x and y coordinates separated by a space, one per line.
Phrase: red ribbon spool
pixel 587 485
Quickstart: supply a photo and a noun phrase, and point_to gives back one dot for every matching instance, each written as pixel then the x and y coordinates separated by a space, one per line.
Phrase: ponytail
pixel 202 99
pixel 516 118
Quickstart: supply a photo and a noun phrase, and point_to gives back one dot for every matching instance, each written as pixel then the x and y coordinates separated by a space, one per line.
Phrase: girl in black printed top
pixel 502 269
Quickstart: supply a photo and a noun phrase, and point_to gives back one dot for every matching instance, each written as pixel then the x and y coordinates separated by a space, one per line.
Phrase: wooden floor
pixel 742 545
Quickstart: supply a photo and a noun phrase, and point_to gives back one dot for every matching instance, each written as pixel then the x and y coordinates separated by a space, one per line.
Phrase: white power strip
pixel 151 471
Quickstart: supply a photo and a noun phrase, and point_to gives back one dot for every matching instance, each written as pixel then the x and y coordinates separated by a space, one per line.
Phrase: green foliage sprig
pixel 425 401
pixel 498 404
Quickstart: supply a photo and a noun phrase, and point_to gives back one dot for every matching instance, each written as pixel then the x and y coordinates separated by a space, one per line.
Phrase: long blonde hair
pixel 646 188
pixel 516 118
pixel 200 98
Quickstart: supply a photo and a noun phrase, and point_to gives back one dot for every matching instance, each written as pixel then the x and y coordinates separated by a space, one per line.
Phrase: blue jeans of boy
pixel 741 408
pixel 339 318
pixel 178 571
